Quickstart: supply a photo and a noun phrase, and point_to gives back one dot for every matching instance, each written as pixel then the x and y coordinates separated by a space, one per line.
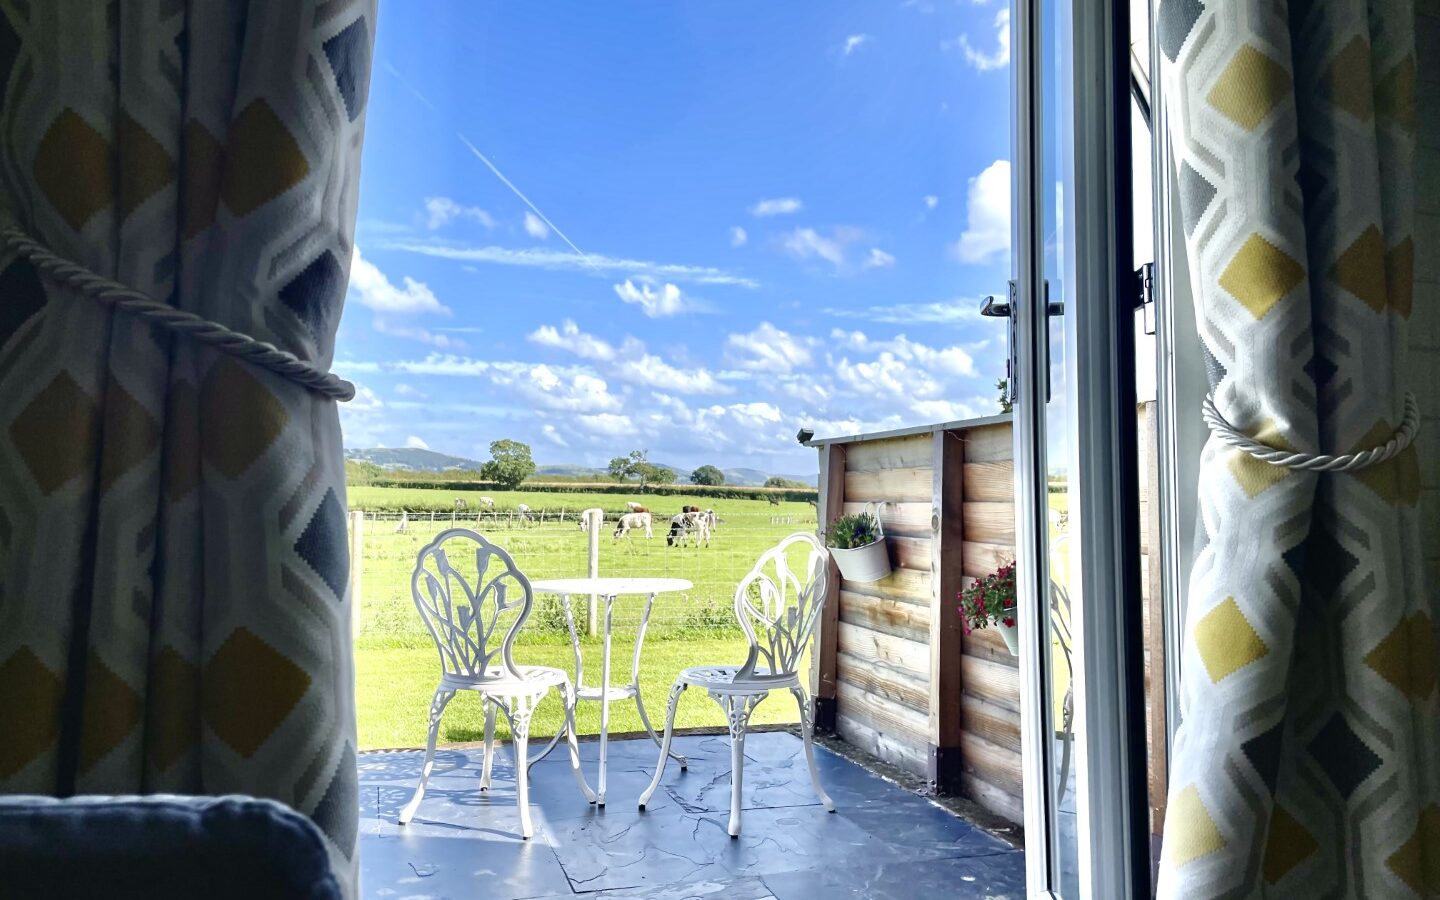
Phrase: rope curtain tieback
pixel 1316 462
pixel 72 275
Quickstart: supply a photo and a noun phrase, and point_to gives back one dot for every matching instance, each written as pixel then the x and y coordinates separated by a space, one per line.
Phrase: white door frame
pixel 1111 802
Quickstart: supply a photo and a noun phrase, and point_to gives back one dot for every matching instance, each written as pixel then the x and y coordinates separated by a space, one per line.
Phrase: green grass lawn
pixel 395 679
pixel 396 664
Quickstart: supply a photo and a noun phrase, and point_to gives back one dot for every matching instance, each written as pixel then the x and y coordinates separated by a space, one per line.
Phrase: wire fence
pixel 552 543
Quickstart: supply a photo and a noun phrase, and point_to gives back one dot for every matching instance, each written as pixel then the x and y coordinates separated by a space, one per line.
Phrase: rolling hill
pixel 430 461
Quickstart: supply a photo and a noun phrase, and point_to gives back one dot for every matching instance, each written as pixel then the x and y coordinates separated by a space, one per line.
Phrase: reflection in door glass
pixel 1055 201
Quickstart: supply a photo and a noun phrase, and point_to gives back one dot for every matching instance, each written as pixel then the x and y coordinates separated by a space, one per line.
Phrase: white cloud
pixel 887 375
pixel 414 442
pixel 553 435
pixel 943 410
pixel 879 259
pixel 807 243
pixel 986 238
pixel 365 400
pixel 405 390
pixel 996 59
pixel 606 424
pixel 776 206
pixel 369 287
pixel 947 360
pixel 556 387
pixel 738 237
pixel 569 337
pixel 667 300
pixel 362 420
pixel 441 211
pixel 855 42
pixel 931 201
pixel 767 349
pixel 417 333
pixel 535 227
pixel 652 371
pixel 940 312
pixel 541 258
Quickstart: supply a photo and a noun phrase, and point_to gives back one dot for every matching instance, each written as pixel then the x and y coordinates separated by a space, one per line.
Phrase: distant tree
pixel 707 475
pixel 1006 399
pixel 361 472
pixel 620 468
pixel 775 481
pixel 638 467
pixel 510 463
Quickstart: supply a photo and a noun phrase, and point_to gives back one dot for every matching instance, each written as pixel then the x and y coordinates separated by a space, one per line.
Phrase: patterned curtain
pixel 1306 764
pixel 173 564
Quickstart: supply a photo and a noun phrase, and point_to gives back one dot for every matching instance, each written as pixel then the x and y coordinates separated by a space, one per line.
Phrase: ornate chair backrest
pixel 779 606
pixel 473 599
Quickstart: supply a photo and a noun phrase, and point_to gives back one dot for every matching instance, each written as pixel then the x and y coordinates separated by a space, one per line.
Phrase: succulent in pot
pixel 857 544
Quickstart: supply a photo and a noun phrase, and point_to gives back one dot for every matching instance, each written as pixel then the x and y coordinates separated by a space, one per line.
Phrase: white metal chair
pixel 474 610
pixel 778 609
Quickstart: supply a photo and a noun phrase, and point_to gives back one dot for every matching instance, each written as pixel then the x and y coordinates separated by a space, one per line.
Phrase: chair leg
pixel 737 711
pixel 567 694
pixel 437 709
pixel 489 743
pixel 807 733
pixel 519 714
pixel 675 691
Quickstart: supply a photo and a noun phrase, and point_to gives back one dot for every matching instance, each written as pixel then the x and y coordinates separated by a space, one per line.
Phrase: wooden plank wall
pixel 989 675
pixel 884 660
pixel 892 691
pixel 883 636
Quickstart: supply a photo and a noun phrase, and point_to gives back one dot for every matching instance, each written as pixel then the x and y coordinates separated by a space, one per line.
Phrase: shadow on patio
pixel 882 842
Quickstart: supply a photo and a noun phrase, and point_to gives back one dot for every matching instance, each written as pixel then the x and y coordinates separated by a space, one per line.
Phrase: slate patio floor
pixel 883 842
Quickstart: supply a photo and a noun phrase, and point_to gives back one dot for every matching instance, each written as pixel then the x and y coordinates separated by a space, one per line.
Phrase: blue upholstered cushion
pixel 160 846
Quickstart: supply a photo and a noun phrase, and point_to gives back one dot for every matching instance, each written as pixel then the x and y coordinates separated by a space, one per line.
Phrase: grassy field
pixel 396 665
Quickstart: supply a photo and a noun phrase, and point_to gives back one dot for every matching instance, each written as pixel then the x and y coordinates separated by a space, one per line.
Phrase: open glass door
pixel 1075 426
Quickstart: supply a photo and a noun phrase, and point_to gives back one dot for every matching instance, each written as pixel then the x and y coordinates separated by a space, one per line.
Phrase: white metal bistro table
pixel 608 589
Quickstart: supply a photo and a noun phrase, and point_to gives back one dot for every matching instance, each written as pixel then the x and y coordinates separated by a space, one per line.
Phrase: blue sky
pixel 742 218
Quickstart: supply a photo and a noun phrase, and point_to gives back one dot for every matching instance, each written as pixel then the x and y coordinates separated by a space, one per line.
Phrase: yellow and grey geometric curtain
pixel 1308 761
pixel 173 564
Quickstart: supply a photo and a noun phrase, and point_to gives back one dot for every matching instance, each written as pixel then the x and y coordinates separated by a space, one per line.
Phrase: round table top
pixel 610 587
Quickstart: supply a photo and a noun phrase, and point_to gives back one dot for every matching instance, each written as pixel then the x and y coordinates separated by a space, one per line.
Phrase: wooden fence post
pixel 948 526
pixel 829 507
pixel 357 567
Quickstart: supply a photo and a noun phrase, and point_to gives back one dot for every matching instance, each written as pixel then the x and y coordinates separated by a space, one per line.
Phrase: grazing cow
pixel 404 526
pixel 682 526
pixel 522 512
pixel 635 507
pixel 594 513
pixel 634 520
pixel 487 502
pixel 460 504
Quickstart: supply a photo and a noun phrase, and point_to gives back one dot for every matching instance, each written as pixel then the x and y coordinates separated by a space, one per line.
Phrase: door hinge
pixel 1145 295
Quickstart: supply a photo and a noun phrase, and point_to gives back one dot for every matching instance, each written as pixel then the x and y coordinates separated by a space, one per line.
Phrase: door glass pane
pixel 1056 198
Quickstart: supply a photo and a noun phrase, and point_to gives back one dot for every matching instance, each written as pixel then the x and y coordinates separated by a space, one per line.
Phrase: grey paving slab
pixel 718 889
pixel 464 843
pixel 465 865
pixel 638 850
pixel 994 877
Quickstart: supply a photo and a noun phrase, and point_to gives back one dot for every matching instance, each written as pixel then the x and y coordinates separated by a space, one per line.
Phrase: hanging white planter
pixel 1011 634
pixel 868 563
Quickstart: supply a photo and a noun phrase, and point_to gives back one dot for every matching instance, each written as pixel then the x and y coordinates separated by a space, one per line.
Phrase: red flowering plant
pixel 990 600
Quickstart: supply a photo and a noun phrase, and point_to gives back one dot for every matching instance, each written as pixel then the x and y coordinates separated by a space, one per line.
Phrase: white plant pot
pixel 868 563
pixel 1011 634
